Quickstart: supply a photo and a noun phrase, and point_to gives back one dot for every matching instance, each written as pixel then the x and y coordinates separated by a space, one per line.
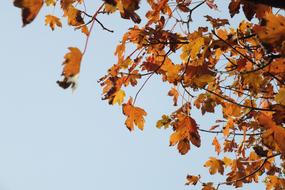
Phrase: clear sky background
pixel 51 139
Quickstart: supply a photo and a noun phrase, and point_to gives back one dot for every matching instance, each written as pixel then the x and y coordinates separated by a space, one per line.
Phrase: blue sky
pixel 52 139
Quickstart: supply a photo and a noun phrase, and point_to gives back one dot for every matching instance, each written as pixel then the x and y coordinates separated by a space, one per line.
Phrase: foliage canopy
pixel 238 72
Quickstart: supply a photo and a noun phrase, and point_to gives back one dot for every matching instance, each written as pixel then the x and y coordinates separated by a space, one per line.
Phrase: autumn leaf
pixel 215 166
pixel 30 9
pixel 52 21
pixel 164 122
pixel 74 16
pixel 273 32
pixel 71 68
pixel 183 146
pixel 119 97
pixel 192 179
pixel 135 116
pixel 217 145
pixel 173 92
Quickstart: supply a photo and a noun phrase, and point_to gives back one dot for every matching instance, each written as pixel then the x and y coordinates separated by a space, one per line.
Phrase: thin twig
pixel 91 27
pixel 164 58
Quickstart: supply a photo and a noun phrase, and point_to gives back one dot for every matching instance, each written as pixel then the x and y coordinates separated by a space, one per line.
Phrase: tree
pixel 236 72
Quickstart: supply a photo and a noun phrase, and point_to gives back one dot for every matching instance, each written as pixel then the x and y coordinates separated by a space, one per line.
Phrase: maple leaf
pixel 119 97
pixel 135 116
pixel 30 9
pixel 52 21
pixel 71 68
pixel 192 179
pixel 185 129
pixel 215 166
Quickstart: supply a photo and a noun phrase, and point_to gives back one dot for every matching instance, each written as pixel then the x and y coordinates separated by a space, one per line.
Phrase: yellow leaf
pixel 30 9
pixel 119 97
pixel 280 97
pixel 196 47
pixel 227 161
pixel 125 64
pixel 52 21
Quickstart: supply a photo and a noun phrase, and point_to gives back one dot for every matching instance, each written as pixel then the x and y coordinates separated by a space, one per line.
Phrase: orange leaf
pixel 215 166
pixel 52 21
pixel 30 9
pixel 274 30
pixel 217 145
pixel 135 116
pixel 71 68
pixel 192 179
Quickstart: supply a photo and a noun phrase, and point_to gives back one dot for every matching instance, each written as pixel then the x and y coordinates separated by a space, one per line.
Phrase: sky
pixel 53 139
